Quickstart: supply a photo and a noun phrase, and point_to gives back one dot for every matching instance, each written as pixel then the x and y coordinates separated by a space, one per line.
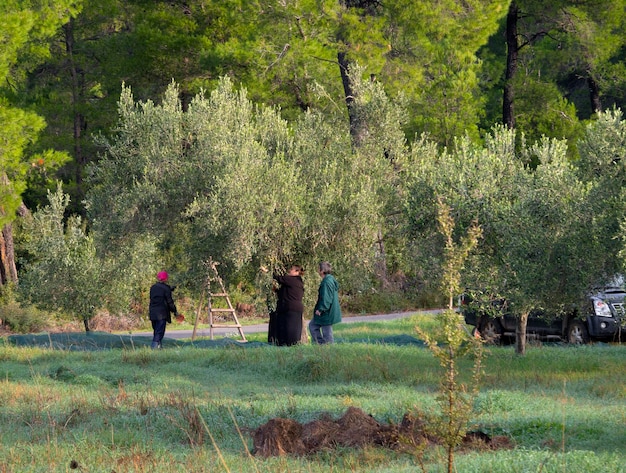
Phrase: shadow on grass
pixel 93 341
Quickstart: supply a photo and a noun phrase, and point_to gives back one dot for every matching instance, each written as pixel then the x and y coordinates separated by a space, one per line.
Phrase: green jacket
pixel 327 302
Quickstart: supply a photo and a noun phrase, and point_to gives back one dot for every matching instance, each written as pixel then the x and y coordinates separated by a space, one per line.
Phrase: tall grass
pixel 191 409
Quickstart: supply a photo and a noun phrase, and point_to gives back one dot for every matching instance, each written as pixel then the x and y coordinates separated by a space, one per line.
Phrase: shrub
pixel 376 302
pixel 23 319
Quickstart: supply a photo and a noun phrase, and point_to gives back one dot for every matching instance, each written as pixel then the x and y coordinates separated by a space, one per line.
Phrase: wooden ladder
pixel 220 312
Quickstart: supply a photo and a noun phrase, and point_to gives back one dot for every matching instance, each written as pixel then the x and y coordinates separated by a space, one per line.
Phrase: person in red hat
pixel 161 307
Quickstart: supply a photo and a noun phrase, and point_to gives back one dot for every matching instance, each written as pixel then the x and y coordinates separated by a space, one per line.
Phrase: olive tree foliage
pixel 601 165
pixel 62 271
pixel 537 240
pixel 233 182
pixel 470 179
pixel 379 160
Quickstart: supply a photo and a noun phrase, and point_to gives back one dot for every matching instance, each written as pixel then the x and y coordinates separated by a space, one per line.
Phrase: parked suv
pixel 602 317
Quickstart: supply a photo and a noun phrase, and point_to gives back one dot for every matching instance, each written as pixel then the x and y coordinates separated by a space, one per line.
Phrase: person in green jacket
pixel 327 311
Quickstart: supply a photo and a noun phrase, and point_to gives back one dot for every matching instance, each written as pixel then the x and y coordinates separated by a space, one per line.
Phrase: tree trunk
pixel 304 336
pixel 520 333
pixel 8 269
pixel 594 94
pixel 366 8
pixel 344 67
pixel 381 261
pixel 512 50
pixel 78 86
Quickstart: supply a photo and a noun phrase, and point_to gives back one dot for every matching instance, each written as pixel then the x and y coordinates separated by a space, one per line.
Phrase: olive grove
pixel 231 181
pixel 263 134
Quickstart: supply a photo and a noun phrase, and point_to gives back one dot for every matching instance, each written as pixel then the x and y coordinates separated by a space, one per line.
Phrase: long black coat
pixel 161 302
pixel 286 324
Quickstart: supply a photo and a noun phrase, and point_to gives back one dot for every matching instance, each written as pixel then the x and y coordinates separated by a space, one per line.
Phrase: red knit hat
pixel 162 276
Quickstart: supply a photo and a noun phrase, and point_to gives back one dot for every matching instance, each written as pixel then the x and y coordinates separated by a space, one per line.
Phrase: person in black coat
pixel 289 306
pixel 161 307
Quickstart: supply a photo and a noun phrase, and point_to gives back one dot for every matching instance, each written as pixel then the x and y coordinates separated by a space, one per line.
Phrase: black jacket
pixel 161 302
pixel 290 293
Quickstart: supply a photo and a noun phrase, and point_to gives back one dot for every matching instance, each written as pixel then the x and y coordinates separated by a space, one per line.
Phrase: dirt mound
pixel 279 437
pixel 354 429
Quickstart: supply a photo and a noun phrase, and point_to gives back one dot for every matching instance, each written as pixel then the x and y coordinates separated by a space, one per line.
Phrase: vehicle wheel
pixel 577 333
pixel 491 331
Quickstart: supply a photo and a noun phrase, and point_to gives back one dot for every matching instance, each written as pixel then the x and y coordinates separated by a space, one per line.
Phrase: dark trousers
pixel 289 328
pixel 158 326
pixel 321 334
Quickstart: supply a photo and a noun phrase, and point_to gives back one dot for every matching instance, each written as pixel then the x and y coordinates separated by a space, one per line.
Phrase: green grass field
pixel 189 408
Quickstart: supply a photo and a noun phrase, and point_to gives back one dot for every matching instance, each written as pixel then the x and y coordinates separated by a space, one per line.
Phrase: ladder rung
pixel 225 326
pixel 222 310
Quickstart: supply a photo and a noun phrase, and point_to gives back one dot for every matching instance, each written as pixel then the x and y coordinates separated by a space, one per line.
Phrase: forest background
pixel 142 135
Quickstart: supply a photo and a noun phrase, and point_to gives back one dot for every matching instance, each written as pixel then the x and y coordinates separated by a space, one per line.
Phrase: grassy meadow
pixel 191 409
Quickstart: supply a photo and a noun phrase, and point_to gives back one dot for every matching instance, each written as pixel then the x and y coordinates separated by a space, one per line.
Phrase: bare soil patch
pixel 357 429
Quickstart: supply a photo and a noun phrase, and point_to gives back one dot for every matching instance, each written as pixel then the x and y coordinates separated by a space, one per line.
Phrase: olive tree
pixel 62 271
pixel 535 248
pixel 541 249
pixel 230 181
pixel 603 168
